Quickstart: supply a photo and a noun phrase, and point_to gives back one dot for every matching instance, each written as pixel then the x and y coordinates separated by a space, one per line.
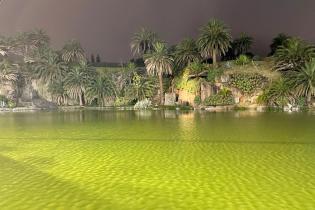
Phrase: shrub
pixel 223 97
pixel 242 60
pixel 247 82
pixel 144 104
pixel 197 100
pixel 183 82
pixel 121 101
pixel 213 73
pixel 279 94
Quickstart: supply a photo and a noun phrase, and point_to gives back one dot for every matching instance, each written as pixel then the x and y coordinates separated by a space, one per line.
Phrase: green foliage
pixel 98 89
pixel 48 67
pixel 214 73
pixel 186 52
pixel 293 54
pixel 143 42
pixel 223 97
pixel 197 67
pixel 197 100
pixel 183 82
pixel 279 93
pixel 242 60
pixel 141 87
pixel 215 39
pixel 278 41
pixel 58 92
pixel 73 52
pixel 303 80
pixel 247 82
pixel 243 44
pixel 122 101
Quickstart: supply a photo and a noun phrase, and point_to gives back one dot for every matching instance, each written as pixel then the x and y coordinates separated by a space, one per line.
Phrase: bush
pixel 197 100
pixel 242 60
pixel 144 104
pixel 213 73
pixel 183 82
pixel 247 82
pixel 11 103
pixel 223 97
pixel 121 101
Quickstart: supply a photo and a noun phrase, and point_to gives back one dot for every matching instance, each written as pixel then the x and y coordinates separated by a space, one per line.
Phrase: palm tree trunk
pixel 81 99
pixel 161 89
pixel 309 98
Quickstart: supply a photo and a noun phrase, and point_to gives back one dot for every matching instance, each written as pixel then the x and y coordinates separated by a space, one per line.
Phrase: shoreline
pixel 229 108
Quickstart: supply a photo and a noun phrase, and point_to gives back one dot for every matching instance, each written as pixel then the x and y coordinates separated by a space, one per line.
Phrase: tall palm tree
pixel 243 44
pixel 293 55
pixel 304 80
pixel 99 88
pixel 49 67
pixel 77 79
pixel 142 42
pixel 73 52
pixel 186 52
pixel 159 62
pixel 215 40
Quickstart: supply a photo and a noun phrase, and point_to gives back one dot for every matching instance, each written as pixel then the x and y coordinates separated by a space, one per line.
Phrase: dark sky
pixel 106 26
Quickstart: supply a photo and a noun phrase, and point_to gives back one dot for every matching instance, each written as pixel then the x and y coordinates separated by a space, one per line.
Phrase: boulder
pixel 170 99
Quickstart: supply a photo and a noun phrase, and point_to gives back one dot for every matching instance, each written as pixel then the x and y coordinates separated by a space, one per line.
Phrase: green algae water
pixel 157 160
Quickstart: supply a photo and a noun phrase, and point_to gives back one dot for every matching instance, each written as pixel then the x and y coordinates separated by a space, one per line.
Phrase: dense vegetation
pixel 71 79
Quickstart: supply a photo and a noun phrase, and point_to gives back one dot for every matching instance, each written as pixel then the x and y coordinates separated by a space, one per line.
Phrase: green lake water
pixel 157 160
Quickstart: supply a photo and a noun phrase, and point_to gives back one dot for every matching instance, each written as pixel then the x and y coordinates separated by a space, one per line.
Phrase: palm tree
pixel 159 62
pixel 293 55
pixel 304 81
pixel 278 41
pixel 58 92
pixel 77 79
pixel 73 52
pixel 99 88
pixel 278 94
pixel 49 67
pixel 215 40
pixel 143 41
pixel 187 52
pixel 8 71
pixel 243 44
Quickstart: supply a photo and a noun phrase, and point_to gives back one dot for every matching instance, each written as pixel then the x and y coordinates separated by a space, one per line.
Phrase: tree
pixel 49 67
pixel 143 42
pixel 278 41
pixel 186 52
pixel 215 40
pixel 243 44
pixel 73 52
pixel 58 92
pixel 303 81
pixel 99 88
pixel 98 58
pixel 77 79
pixel 159 62
pixel 92 58
pixel 293 55
pixel 278 94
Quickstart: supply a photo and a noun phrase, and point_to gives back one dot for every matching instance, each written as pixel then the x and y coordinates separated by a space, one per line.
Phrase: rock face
pixel 185 97
pixel 170 99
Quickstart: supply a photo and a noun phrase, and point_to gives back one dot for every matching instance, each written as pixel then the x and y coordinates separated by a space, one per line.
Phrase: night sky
pixel 106 26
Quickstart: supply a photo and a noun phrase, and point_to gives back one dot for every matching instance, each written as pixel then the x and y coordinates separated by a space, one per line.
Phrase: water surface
pixel 157 160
